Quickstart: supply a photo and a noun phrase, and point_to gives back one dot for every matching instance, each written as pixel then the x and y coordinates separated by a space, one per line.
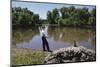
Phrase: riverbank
pixel 63 55
pixel 54 25
pixel 27 56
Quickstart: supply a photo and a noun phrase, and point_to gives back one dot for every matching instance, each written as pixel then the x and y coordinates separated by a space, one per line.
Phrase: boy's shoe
pixel 50 51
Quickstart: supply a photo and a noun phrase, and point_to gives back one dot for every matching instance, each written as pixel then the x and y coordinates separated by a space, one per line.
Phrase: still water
pixel 58 37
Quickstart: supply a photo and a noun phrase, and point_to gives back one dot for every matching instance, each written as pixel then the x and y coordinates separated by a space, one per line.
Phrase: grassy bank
pixel 27 56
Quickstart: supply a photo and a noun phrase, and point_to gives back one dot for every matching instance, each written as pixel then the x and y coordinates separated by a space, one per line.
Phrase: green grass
pixel 27 57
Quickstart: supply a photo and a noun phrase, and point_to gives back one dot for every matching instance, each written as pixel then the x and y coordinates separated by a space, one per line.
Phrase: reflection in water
pixel 58 37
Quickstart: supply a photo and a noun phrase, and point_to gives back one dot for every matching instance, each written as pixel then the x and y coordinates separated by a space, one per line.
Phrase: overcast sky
pixel 42 8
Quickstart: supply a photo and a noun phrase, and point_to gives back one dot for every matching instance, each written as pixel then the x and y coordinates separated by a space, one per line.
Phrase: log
pixel 71 54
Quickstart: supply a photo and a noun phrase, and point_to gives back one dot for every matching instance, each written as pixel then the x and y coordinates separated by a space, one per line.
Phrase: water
pixel 58 37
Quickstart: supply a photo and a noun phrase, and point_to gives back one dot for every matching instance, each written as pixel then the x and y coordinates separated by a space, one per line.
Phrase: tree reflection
pixel 23 35
pixel 59 34
pixel 66 34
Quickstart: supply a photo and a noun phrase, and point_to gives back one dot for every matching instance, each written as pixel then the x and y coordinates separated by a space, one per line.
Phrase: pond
pixel 58 37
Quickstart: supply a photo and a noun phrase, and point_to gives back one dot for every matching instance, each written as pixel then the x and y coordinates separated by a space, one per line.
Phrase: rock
pixel 70 54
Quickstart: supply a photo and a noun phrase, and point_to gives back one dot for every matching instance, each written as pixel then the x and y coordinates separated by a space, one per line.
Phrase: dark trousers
pixel 45 44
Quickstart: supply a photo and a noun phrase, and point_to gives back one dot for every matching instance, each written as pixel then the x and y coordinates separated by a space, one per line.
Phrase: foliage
pixel 71 16
pixel 23 17
pixel 53 16
pixel 65 16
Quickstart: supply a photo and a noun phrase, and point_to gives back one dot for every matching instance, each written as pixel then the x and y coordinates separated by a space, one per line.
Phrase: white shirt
pixel 44 31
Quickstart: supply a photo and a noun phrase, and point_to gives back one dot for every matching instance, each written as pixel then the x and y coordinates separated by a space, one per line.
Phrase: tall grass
pixel 27 57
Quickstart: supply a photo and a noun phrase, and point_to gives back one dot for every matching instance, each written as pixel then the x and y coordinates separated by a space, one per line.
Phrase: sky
pixel 42 8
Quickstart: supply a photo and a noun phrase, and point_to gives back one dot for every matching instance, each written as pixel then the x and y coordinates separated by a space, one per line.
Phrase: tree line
pixel 71 16
pixel 65 16
pixel 23 17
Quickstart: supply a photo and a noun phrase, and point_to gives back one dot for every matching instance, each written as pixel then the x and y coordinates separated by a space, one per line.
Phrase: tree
pixel 92 18
pixel 64 12
pixel 65 16
pixel 55 16
pixel 24 17
pixel 36 18
pixel 49 17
